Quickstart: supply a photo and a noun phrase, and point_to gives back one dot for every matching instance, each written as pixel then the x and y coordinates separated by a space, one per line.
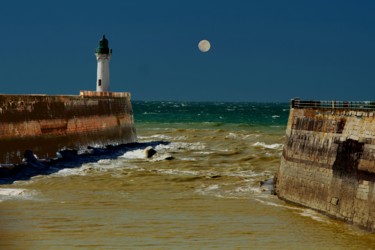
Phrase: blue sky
pixel 264 51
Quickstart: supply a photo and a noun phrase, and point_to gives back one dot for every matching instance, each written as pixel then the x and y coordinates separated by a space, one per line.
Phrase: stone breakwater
pixel 46 124
pixel 328 160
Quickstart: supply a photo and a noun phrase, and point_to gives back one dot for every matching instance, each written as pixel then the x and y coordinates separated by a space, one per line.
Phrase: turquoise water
pixel 218 113
pixel 201 190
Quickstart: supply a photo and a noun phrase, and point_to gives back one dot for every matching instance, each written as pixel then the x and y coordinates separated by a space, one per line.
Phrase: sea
pixel 209 186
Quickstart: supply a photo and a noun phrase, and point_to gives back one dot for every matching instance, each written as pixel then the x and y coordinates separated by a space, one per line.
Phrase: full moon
pixel 204 45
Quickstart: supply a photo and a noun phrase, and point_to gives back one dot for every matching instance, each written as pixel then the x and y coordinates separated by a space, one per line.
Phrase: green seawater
pixel 218 113
pixel 200 191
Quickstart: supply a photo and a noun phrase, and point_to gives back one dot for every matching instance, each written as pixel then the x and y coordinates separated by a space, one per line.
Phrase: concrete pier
pixel 46 124
pixel 328 160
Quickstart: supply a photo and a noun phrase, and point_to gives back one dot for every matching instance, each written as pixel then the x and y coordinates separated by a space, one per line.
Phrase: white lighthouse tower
pixel 103 55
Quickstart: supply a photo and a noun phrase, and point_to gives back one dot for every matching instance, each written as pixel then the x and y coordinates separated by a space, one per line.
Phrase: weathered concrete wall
pixel 47 124
pixel 328 162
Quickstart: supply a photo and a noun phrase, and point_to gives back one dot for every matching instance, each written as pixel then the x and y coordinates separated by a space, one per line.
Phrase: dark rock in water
pixel 149 152
pixel 69 154
pixel 169 157
pixel 32 161
pixel 215 176
pixel 29 156
pixel 268 185
pixel 110 147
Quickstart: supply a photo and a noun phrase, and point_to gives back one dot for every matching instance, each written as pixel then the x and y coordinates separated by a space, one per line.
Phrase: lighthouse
pixel 103 55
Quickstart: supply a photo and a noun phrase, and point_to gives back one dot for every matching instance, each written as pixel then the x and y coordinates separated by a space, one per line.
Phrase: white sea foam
pixel 209 190
pixel 228 192
pixel 135 154
pixel 161 137
pixel 242 135
pixel 140 137
pixel 269 146
pixel 314 215
pixel 250 136
pixel 275 116
pixel 11 191
pixel 223 150
pixel 105 161
pixel 248 189
pixel 305 212
pixel 160 157
pixel 187 159
pixel 70 172
pixel 232 136
pixel 179 172
pixel 245 174
pixel 273 204
pixel 16 193
pixel 213 187
pixel 181 146
pixel 103 165
pixel 203 153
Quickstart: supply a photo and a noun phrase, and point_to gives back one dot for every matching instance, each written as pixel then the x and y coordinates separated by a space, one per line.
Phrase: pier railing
pixel 352 105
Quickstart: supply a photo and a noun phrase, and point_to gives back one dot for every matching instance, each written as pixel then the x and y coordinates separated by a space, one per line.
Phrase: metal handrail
pixel 347 105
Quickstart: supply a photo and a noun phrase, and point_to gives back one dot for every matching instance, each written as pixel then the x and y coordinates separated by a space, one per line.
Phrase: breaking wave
pixel 16 193
pixel 269 146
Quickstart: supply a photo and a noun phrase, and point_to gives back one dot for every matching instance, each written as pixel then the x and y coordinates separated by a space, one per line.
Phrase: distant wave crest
pixel 269 146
